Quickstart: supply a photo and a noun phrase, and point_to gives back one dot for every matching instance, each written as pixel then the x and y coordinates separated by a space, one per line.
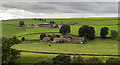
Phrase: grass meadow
pixel 96 46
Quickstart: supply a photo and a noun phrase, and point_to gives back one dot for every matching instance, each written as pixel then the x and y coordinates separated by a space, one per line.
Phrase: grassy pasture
pixel 26 21
pixel 9 30
pixel 97 46
pixel 75 28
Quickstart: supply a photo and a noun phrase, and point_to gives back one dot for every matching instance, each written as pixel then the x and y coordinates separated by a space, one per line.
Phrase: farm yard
pixel 97 46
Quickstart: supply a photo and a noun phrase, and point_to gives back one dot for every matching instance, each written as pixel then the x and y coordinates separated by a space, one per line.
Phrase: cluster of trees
pixel 67 60
pixel 51 36
pixel 105 30
pixel 88 32
pixel 52 22
pixel 10 56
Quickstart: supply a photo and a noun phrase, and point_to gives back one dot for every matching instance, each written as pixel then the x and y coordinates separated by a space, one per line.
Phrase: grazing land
pixel 96 46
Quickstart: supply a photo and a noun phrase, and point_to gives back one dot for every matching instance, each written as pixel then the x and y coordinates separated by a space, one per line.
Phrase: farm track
pixel 66 53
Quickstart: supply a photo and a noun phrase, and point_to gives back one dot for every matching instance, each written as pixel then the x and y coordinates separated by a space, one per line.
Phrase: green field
pixel 97 46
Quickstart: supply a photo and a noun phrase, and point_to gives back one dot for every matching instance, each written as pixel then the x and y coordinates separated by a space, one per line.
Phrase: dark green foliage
pixel 23 38
pixel 40 19
pixel 42 36
pixel 114 34
pixel 104 32
pixel 113 61
pixel 44 62
pixel 9 55
pixel 21 23
pixel 87 31
pixel 49 35
pixel 94 61
pixel 78 59
pixel 52 36
pixel 52 22
pixel 65 29
pixel 58 36
pixel 61 59
pixel 13 40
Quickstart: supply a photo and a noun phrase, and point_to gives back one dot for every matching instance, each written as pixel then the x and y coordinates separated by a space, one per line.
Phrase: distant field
pixel 9 30
pixel 95 22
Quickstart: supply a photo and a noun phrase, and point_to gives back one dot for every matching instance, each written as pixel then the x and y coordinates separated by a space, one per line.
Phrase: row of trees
pixel 67 60
pixel 89 32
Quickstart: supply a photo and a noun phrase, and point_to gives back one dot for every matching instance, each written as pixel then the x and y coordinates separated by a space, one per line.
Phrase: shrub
pixel 61 59
pixel 78 59
pixel 113 61
pixel 21 23
pixel 23 38
pixel 93 61
pixel 42 36
pixel 114 34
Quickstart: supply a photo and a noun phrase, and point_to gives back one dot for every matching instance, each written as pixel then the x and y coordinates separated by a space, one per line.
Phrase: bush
pixel 61 59
pixel 23 38
pixel 21 23
pixel 93 61
pixel 42 36
pixel 52 36
pixel 113 61
pixel 52 22
pixel 114 34
pixel 78 59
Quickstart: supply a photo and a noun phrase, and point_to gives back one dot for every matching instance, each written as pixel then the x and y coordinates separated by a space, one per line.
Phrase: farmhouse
pixel 74 38
pixel 45 25
pixel 32 25
pixel 67 40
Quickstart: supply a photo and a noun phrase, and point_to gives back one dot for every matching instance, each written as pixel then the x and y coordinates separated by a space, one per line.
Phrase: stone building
pixel 74 38
pixel 32 25
pixel 46 39
pixel 45 25
pixel 68 40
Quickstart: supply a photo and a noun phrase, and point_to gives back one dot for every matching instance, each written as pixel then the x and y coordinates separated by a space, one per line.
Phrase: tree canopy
pixel 104 32
pixel 21 23
pixel 64 29
pixel 42 36
pixel 87 31
pixel 9 55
